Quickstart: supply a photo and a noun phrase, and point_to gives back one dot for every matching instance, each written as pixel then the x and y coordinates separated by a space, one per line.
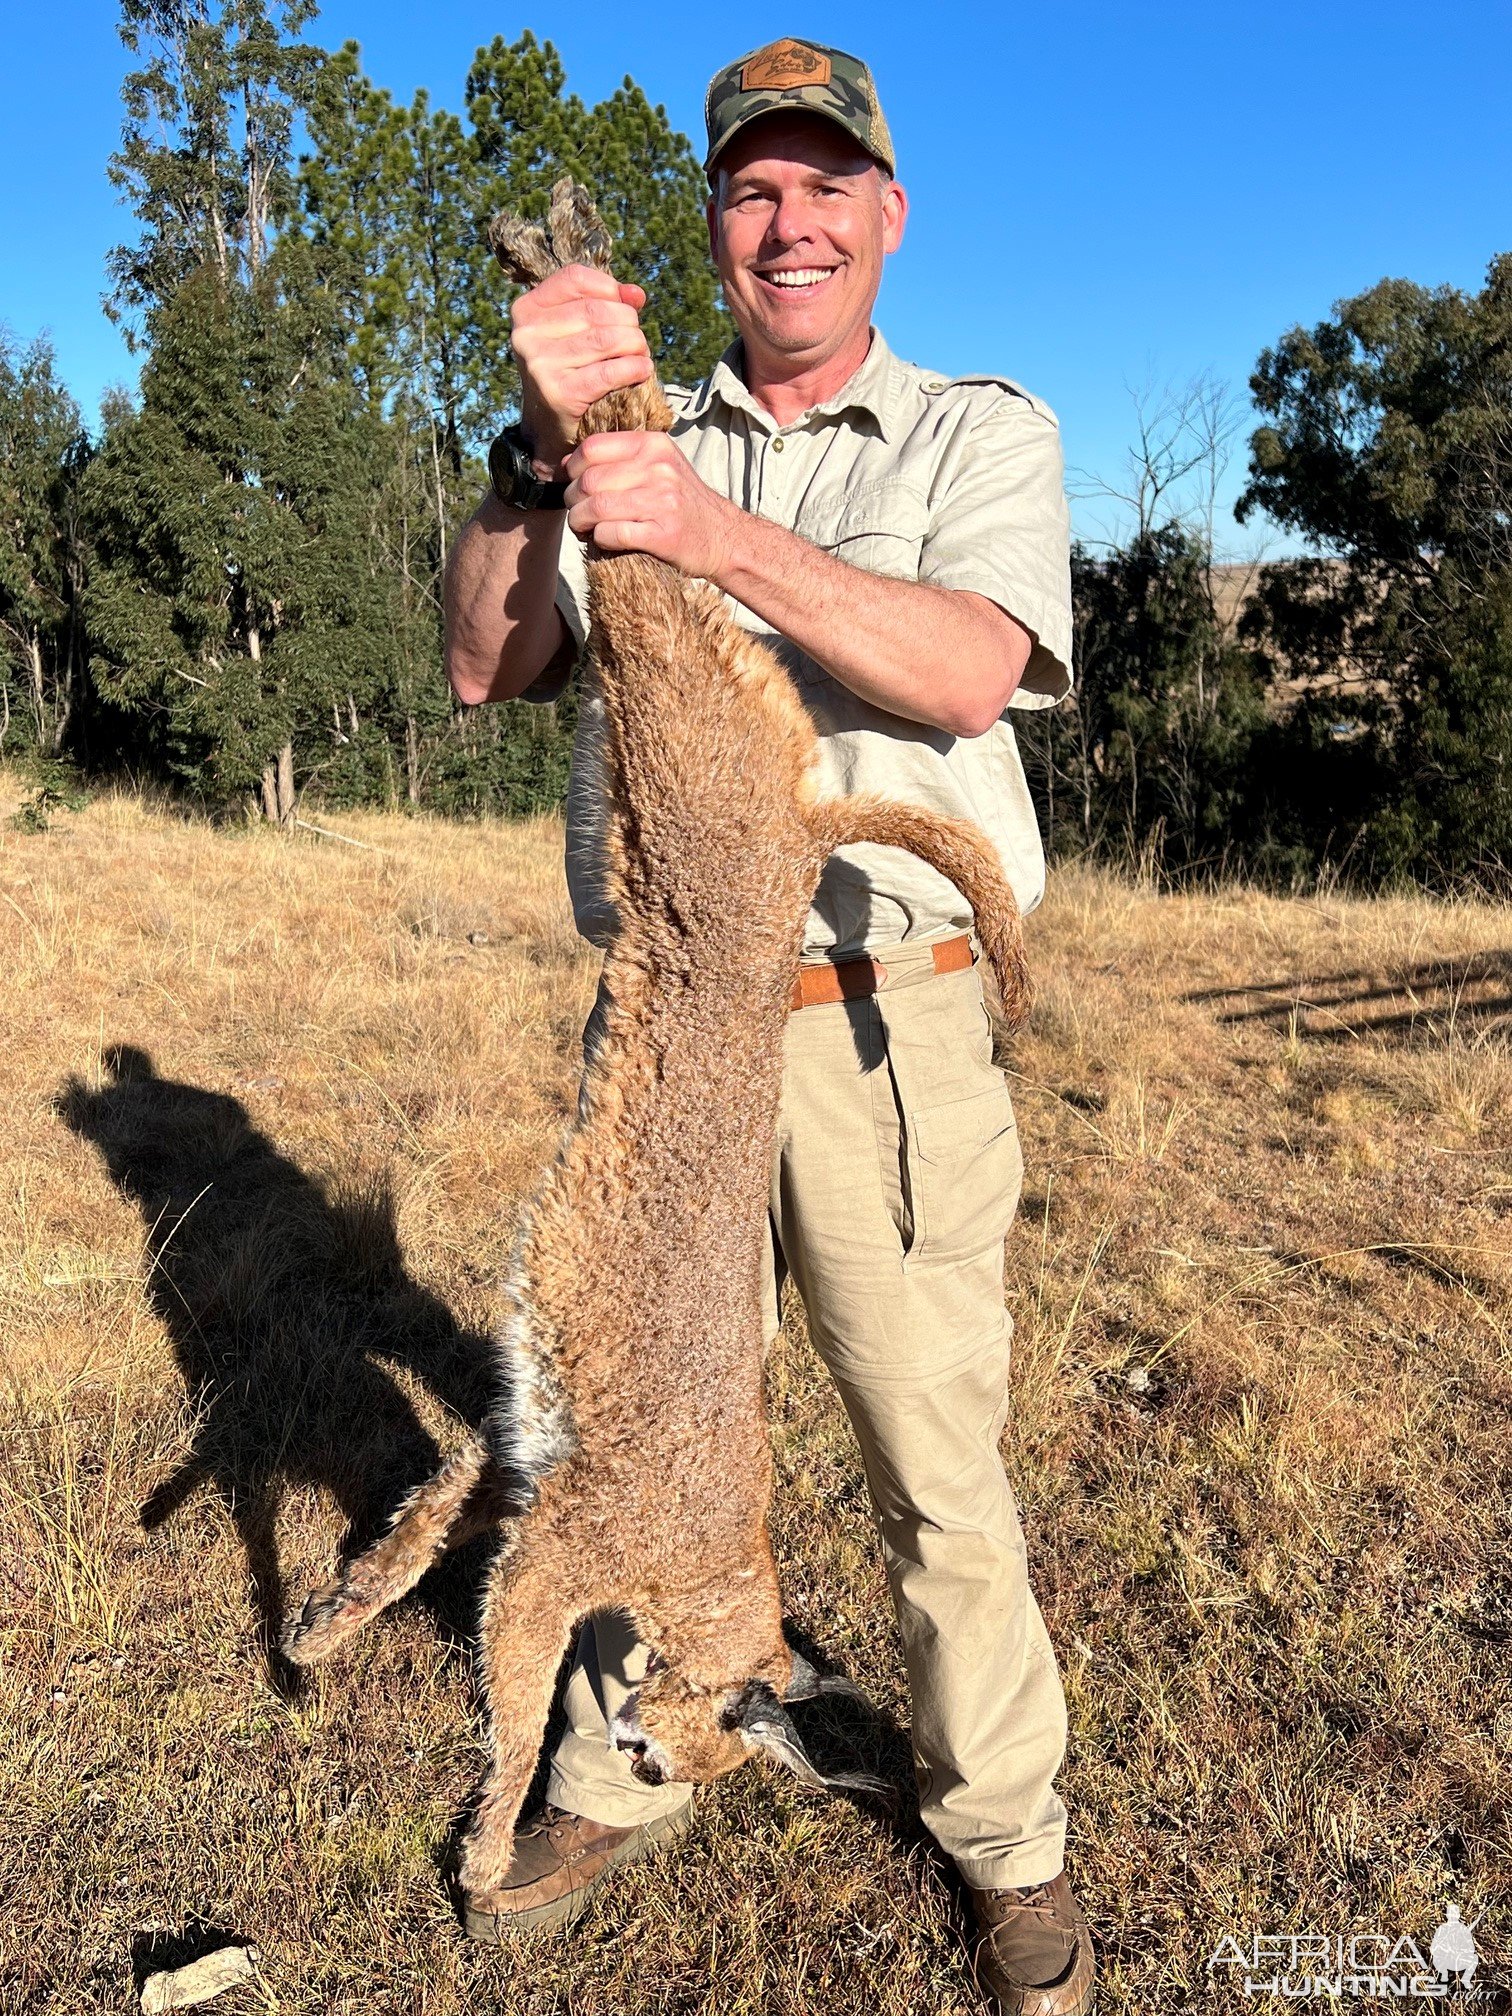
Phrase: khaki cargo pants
pixel 896 1178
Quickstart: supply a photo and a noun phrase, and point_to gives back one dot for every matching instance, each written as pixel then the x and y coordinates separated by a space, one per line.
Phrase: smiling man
pixel 900 540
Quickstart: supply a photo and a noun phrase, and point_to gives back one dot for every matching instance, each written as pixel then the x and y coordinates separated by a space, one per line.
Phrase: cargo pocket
pixel 965 1169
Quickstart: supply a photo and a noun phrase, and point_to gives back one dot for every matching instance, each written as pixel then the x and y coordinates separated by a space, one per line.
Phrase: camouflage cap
pixel 798 77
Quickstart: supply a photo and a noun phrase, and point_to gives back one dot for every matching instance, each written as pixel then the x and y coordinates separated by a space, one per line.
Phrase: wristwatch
pixel 515 481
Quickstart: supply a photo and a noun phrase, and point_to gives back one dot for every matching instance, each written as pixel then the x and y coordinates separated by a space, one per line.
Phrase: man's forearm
pixel 944 656
pixel 503 627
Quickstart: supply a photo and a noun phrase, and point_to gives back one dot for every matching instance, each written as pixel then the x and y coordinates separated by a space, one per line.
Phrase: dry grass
pixel 1261 1435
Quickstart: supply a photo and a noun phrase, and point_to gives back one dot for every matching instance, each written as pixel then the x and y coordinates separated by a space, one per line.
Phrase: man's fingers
pixel 563 358
pixel 609 374
pixel 627 535
pixel 579 378
pixel 612 314
pixel 582 284
pixel 590 280
pixel 577 322
pixel 628 445
pixel 619 493
pixel 616 494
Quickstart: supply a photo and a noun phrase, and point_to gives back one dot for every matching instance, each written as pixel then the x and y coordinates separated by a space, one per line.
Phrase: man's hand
pixel 576 337
pixel 945 656
pixel 635 492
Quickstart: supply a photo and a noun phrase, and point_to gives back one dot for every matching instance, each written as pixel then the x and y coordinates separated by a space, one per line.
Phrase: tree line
pixel 233 585
pixel 236 587
pixel 1354 716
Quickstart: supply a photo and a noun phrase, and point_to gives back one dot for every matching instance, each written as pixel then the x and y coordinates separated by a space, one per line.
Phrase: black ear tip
pixel 808 1683
pixel 754 1701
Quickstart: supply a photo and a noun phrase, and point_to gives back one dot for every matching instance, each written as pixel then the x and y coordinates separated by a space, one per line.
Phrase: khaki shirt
pixel 952 481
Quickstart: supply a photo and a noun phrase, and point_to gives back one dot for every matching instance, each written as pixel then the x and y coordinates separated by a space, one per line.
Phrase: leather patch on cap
pixel 783 66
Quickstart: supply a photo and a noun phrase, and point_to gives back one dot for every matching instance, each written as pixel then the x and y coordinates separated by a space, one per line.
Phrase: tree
pixel 1148 759
pixel 325 357
pixel 43 453
pixel 225 613
pixel 1388 447
pixel 396 200
pixel 204 159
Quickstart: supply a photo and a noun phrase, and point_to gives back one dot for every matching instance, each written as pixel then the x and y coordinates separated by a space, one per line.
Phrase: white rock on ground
pixel 201 1981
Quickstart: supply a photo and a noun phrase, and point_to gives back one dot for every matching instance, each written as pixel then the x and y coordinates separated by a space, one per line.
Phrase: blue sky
pixel 1104 197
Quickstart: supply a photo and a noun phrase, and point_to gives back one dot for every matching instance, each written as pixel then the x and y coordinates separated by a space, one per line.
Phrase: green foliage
pixel 250 563
pixel 43 453
pixel 1388 446
pixel 396 201
pixel 1147 760
pixel 205 151
pixel 326 357
pixel 224 609
pixel 528 130
pixel 56 787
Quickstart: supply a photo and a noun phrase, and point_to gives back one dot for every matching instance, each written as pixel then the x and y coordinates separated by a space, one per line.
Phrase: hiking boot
pixel 559 1860
pixel 1034 1957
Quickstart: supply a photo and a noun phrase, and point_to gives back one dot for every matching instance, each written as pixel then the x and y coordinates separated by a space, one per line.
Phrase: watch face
pixel 504 470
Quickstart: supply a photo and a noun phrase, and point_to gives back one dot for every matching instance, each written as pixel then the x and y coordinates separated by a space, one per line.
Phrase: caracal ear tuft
pixel 575 235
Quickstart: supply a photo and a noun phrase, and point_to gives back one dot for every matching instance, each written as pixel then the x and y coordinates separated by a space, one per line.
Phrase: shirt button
pixel 777 445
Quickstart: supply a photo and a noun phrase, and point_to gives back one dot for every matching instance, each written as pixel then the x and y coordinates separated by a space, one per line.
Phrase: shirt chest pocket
pixel 880 527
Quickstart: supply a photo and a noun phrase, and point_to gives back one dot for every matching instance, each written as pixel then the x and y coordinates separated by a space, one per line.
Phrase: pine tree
pixel 396 200
pixel 43 453
pixel 527 130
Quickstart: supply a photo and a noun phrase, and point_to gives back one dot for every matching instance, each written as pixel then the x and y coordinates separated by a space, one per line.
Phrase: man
pixel 901 542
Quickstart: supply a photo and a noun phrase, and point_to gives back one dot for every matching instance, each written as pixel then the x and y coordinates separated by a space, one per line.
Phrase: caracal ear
pixel 808 1683
pixel 764 1724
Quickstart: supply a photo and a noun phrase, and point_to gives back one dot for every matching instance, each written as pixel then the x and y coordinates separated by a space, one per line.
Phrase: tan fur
pixel 630 1438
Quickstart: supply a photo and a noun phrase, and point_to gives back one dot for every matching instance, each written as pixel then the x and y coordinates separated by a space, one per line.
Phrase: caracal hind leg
pixel 465 1497
pixel 531 1609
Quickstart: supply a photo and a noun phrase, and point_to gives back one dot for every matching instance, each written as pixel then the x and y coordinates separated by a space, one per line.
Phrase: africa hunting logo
pixel 1298 1966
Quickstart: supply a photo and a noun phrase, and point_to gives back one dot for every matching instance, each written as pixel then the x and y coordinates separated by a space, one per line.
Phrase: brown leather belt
pixel 854 979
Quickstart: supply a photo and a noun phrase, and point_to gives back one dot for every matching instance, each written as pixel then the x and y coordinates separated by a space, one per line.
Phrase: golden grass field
pixel 269 1105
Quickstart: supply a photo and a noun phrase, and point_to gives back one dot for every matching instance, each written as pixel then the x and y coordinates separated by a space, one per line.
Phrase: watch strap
pixel 514 480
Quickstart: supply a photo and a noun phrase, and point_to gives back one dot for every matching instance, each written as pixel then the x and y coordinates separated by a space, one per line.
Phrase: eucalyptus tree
pixel 225 620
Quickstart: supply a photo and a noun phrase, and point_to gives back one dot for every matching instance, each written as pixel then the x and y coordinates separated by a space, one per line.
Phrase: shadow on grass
pixel 287 1308
pixel 1424 1003
pixel 841 1733
pixel 283 1303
